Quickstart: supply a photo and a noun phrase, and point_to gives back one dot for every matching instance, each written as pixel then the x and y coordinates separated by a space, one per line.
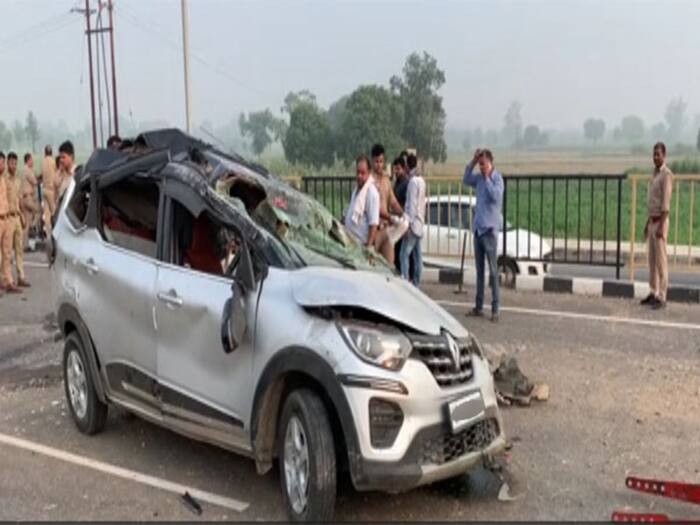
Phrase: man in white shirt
pixel 362 216
pixel 415 210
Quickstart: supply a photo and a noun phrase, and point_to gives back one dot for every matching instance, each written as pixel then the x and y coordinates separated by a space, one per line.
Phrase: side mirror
pixel 234 325
pixel 234 320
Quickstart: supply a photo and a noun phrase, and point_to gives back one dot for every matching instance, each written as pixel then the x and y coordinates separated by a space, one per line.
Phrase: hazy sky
pixel 564 60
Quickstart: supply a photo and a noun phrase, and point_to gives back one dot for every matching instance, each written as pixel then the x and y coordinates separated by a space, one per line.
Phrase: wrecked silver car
pixel 204 294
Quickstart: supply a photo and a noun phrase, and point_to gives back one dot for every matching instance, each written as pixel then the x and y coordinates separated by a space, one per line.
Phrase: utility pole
pixel 110 7
pixel 99 30
pixel 88 32
pixel 186 59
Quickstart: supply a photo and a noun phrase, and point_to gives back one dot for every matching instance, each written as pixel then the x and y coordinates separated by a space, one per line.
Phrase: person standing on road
pixel 362 216
pixel 5 233
pixel 415 210
pixel 400 188
pixel 30 202
pixel 656 228
pixel 16 229
pixel 48 184
pixel 388 204
pixel 66 156
pixel 487 225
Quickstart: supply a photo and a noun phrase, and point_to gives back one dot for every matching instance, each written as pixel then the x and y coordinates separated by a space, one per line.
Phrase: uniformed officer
pixel 14 197
pixel 66 155
pixel 30 201
pixel 5 233
pixel 48 183
pixel 656 229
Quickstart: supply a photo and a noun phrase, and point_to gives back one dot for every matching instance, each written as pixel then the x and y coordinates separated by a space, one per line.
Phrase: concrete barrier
pixel 568 285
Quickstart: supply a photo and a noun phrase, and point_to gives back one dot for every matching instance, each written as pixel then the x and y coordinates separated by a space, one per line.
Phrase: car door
pixel 204 391
pixel 118 274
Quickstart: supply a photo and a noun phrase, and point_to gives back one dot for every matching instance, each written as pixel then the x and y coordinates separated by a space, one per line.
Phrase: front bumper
pixel 414 469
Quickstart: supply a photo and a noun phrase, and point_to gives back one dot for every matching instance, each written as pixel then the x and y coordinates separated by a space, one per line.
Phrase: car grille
pixel 435 353
pixel 447 447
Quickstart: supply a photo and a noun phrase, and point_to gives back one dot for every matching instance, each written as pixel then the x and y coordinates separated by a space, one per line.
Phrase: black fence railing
pixel 566 219
pixel 580 214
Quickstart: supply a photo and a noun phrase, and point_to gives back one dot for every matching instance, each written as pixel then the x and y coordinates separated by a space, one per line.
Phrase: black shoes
pixel 654 302
pixel 648 300
pixel 658 304
pixel 475 312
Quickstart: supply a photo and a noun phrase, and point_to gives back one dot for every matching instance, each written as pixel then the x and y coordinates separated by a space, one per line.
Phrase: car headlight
pixel 381 345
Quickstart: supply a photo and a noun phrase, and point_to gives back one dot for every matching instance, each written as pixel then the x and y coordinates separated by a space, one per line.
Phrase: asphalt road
pixel 625 385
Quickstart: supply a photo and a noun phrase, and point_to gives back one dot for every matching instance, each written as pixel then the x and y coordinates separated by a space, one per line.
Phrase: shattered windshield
pixel 299 223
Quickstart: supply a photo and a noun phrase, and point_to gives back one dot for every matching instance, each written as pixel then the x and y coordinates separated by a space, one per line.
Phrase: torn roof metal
pixel 260 198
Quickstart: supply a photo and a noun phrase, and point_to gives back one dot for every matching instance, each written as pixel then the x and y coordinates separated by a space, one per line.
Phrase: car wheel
pixel 508 272
pixel 89 413
pixel 306 455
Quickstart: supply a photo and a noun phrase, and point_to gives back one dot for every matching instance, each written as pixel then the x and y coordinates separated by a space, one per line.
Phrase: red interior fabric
pixel 201 254
pixel 114 223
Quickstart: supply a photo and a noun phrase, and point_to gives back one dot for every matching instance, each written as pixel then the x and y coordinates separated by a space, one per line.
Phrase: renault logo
pixel 454 350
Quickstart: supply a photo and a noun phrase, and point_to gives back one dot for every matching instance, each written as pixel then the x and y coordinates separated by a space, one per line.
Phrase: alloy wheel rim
pixel 77 384
pixel 296 465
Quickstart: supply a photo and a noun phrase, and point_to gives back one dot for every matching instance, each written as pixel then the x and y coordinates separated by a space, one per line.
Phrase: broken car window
pixel 298 222
pixel 128 215
pixel 201 243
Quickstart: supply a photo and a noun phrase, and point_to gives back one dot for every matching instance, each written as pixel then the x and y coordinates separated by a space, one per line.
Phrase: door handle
pixel 90 266
pixel 171 299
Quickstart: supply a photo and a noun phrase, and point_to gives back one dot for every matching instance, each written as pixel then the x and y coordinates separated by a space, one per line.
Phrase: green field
pixel 589 213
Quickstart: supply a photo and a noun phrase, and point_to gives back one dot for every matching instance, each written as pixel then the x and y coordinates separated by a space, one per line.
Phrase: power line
pixel 133 19
pixel 35 27
pixel 36 36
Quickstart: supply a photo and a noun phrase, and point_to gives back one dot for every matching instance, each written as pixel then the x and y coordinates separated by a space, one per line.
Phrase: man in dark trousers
pixel 487 225
pixel 400 187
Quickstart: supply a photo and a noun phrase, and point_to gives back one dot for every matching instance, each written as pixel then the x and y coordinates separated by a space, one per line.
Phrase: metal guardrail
pixel 575 212
pixel 684 234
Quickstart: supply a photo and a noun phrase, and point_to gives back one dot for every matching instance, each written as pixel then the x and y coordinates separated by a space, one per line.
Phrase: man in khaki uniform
pixel 5 233
pixel 30 202
pixel 656 229
pixel 66 155
pixel 14 197
pixel 48 183
pixel 387 204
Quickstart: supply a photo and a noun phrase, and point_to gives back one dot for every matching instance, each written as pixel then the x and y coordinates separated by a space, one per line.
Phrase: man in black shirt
pixel 400 188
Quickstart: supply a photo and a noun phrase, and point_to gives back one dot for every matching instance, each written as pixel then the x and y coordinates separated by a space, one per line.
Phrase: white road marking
pixel 590 317
pixel 31 264
pixel 10 329
pixel 127 474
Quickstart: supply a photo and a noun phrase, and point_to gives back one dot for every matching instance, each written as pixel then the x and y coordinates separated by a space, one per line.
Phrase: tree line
pixel 407 113
pixel 20 134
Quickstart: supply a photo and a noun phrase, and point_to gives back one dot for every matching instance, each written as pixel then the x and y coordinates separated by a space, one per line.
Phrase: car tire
pixel 89 413
pixel 508 270
pixel 309 479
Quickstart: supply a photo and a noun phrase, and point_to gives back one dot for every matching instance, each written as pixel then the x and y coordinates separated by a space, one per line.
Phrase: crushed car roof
pixel 177 143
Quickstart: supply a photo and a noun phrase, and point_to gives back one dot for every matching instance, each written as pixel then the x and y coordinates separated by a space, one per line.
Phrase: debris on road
pixel 513 387
pixel 191 503
pixel 498 466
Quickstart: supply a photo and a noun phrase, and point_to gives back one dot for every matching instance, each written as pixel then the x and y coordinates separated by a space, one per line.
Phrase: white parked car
pixel 449 224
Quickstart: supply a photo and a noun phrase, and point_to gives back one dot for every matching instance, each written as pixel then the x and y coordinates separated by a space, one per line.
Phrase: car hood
pixel 385 295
